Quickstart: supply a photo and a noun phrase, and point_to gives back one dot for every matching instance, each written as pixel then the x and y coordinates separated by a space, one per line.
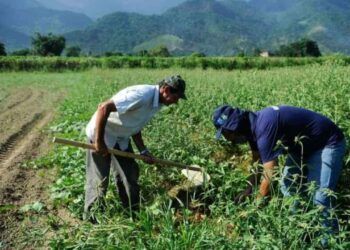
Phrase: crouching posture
pixel 112 125
pixel 311 141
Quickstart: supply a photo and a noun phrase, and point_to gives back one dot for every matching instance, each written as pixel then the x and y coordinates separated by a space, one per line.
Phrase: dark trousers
pixel 125 172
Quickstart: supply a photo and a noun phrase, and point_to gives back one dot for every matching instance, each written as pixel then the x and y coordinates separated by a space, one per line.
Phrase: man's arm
pixel 103 111
pixel 267 178
pixel 253 180
pixel 137 138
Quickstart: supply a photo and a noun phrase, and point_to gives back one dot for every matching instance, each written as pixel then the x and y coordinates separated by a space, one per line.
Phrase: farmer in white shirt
pixel 112 125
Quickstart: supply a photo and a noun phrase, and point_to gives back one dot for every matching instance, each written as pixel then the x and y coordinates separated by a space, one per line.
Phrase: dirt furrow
pixel 22 138
pixel 10 143
pixel 22 99
pixel 18 185
pixel 22 150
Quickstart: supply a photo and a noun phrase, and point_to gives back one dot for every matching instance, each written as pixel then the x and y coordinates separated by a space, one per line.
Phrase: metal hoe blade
pixel 198 178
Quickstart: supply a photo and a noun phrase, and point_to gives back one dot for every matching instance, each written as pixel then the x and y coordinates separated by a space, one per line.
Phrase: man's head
pixel 172 89
pixel 231 123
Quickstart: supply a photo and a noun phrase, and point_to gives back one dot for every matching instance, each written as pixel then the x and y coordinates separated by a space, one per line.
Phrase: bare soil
pixel 24 114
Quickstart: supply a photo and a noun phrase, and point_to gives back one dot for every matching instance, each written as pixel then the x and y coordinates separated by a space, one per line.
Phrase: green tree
pixel 142 53
pixel 257 52
pixel 197 54
pixel 302 48
pixel 2 49
pixel 161 51
pixel 22 52
pixel 48 45
pixel 311 48
pixel 109 54
pixel 73 51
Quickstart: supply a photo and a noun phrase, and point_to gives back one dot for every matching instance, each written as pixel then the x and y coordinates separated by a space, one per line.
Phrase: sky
pixel 98 8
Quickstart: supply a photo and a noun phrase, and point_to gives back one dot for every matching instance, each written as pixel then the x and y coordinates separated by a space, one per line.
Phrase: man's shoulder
pixel 142 88
pixel 139 91
pixel 267 115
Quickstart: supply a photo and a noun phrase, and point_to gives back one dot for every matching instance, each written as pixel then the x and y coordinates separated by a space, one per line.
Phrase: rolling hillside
pixel 224 27
pixel 214 27
pixel 23 18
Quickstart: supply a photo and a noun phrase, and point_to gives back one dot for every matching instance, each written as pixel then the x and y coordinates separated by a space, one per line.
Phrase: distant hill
pixel 214 27
pixel 98 8
pixel 118 32
pixel 25 17
pixel 13 39
pixel 173 43
pixel 203 25
pixel 325 21
pixel 224 27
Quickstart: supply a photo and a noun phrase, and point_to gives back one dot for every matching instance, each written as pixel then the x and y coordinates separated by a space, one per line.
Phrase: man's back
pixel 301 130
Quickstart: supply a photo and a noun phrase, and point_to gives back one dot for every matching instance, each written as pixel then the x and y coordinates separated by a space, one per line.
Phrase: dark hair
pixel 172 89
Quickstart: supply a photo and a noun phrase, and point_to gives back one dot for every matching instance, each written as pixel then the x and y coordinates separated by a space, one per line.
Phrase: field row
pixel 53 64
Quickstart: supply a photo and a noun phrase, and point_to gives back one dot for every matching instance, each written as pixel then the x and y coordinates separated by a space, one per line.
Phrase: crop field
pixel 205 218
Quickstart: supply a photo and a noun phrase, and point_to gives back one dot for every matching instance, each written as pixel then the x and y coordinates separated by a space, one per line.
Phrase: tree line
pixel 54 45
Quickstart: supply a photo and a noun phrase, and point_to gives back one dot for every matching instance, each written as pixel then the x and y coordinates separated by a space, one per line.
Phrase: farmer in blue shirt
pixel 309 139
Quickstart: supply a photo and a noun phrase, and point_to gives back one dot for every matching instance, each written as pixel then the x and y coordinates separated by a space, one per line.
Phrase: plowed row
pixel 24 114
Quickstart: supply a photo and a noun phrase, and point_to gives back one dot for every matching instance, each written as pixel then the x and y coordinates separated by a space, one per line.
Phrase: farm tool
pixel 194 173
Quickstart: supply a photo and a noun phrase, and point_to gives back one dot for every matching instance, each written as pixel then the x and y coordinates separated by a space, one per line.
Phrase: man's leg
pixel 324 168
pixel 128 187
pixel 97 176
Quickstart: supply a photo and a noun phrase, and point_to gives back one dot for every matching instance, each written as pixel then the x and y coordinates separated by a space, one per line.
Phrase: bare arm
pixel 103 111
pixel 267 178
pixel 137 138
pixel 253 180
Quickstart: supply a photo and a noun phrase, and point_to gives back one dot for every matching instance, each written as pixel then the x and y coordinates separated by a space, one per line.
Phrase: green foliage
pixel 301 48
pixel 184 133
pixel 73 51
pixel 109 54
pixel 160 51
pixel 48 45
pixel 58 64
pixel 197 54
pixel 142 53
pixel 35 207
pixel 21 52
pixel 2 49
pixel 170 41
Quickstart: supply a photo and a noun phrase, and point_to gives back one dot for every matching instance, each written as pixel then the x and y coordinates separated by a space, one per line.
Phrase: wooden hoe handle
pixel 125 154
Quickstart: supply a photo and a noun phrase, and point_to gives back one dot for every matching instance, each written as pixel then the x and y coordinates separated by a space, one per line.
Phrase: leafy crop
pixel 58 64
pixel 184 133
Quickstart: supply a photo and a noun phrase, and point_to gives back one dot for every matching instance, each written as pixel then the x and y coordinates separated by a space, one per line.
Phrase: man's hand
pixel 101 148
pixel 243 195
pixel 149 158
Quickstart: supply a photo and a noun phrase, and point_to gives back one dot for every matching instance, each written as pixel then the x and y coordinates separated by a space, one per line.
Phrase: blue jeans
pixel 323 167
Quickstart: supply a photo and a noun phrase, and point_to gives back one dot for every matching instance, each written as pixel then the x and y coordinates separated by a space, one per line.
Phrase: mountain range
pixel 214 27
pixel 20 19
pixel 223 27
pixel 98 8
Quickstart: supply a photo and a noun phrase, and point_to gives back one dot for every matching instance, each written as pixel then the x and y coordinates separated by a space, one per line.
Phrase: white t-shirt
pixel 136 105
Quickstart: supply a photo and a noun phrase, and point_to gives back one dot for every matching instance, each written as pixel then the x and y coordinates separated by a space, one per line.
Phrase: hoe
pixel 194 173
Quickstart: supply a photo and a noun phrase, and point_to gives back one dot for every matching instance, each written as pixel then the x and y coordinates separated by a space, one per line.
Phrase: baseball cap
pixel 227 117
pixel 177 83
